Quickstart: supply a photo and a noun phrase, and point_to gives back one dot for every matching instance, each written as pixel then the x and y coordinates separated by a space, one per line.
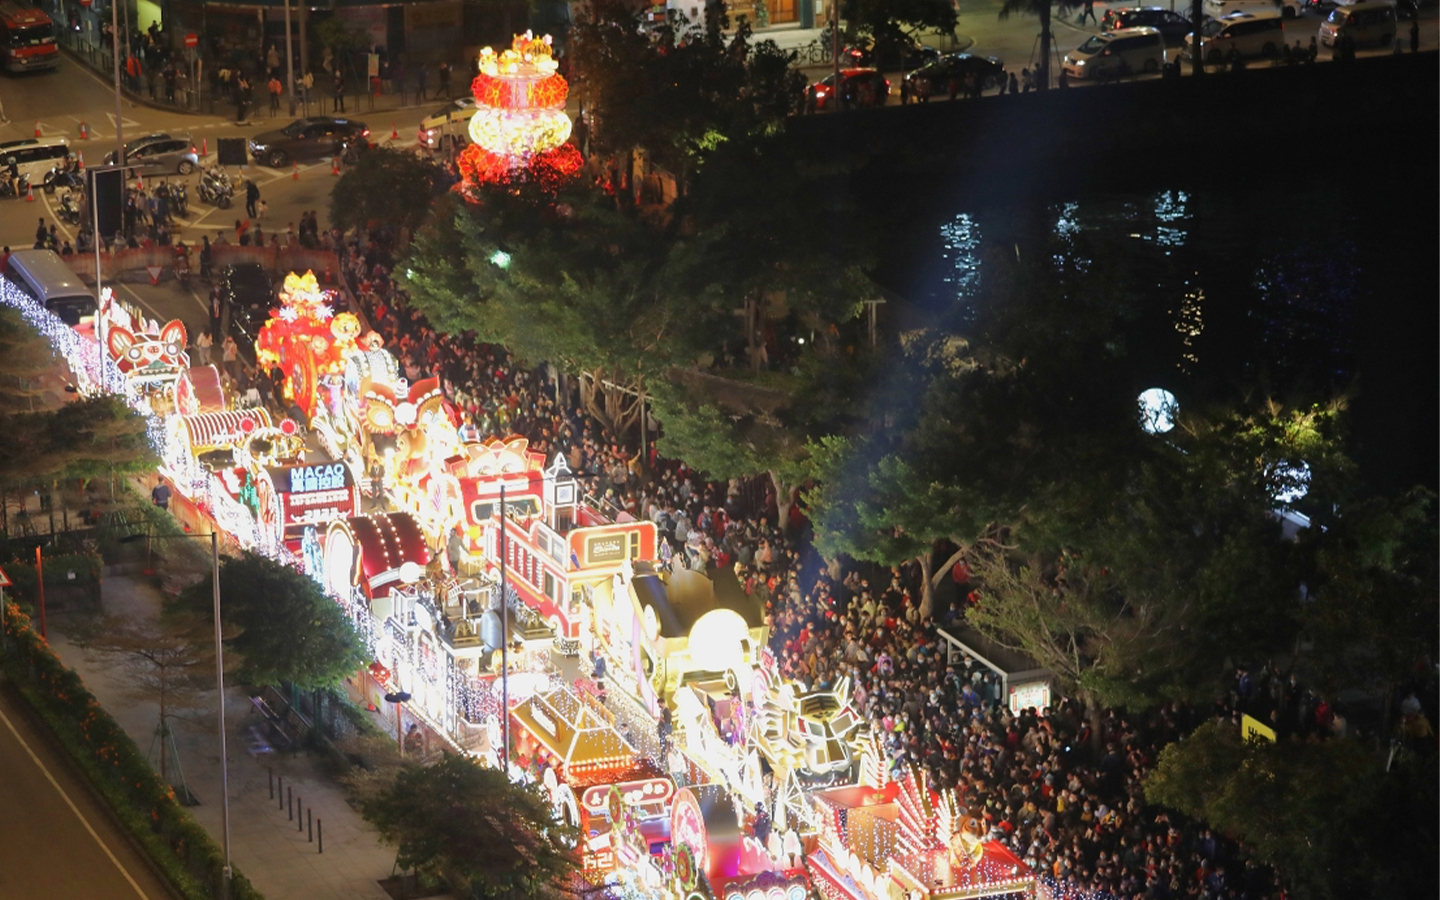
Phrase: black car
pixel 318 137
pixel 932 79
pixel 248 295
pixel 901 54
pixel 1171 25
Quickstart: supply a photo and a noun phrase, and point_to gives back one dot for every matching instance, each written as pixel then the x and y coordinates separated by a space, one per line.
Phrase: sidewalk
pixel 264 843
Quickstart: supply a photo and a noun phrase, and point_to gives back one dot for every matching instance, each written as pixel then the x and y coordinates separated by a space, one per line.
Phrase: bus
pixel 27 38
pixel 44 276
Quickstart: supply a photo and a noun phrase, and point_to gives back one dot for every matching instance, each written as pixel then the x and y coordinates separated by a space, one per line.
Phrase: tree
pixel 287 630
pixel 386 186
pixel 1042 10
pixel 489 837
pixel 1325 814
pixel 24 354
pixel 678 97
pixel 174 667
pixel 891 22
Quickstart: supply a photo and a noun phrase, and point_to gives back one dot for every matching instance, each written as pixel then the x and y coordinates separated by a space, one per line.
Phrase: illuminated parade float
pixel 649 708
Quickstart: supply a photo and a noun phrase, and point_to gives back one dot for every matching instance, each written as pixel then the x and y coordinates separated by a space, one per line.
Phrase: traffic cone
pixel 335 165
pixel 84 132
pixel 204 146
pixel 394 132
pixel 37 128
pixel 295 172
pixel 29 194
pixel 139 182
pixel 80 161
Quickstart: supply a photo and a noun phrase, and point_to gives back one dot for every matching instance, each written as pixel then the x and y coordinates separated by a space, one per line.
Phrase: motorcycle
pixel 14 188
pixel 215 188
pixel 66 178
pixel 69 211
pixel 179 200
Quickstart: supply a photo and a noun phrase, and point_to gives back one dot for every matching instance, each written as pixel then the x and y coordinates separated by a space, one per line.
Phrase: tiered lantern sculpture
pixel 520 127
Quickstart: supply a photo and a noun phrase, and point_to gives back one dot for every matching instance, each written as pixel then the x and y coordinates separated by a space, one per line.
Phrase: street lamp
pixel 219 687
pixel 398 698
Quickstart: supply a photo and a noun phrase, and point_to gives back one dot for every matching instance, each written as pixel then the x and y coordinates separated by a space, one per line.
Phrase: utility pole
pixel 1197 10
pixel 504 642
pixel 289 59
pixel 115 56
pixel 837 96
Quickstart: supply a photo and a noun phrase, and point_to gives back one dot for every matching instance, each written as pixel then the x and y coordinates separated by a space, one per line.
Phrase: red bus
pixel 27 38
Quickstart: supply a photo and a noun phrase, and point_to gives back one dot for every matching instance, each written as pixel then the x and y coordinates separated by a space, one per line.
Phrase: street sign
pixel 154 273
pixel 192 40
pixel 4 579
pixel 1253 730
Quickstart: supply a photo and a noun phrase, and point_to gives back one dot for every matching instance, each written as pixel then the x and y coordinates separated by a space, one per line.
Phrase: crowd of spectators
pixel 1060 788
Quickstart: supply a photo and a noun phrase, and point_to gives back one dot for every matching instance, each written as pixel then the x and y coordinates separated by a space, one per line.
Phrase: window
pixel 634 545
pixel 550 587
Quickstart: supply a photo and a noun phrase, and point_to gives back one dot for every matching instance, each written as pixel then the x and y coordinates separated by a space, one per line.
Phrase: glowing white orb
pixel 1158 409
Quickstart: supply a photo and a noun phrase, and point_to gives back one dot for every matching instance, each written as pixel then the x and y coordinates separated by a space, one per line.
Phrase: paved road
pixel 55 840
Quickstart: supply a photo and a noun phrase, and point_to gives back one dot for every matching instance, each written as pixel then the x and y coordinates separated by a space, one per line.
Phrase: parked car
pixel 317 137
pixel 248 295
pixel 902 54
pixel 1364 23
pixel 859 87
pixel 1116 53
pixel 452 119
pixel 1171 25
pixel 1217 9
pixel 160 154
pixel 934 78
pixel 1249 34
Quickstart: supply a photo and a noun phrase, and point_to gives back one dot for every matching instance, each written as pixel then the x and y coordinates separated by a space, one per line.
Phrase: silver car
pixel 161 154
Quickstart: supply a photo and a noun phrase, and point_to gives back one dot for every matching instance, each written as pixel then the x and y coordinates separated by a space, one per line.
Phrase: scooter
pixel 179 200
pixel 66 178
pixel 69 211
pixel 14 189
pixel 215 189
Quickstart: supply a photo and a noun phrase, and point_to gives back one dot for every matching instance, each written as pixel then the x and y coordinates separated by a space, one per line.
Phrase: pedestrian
pixel 954 85
pixel 307 82
pixel 421 77
pixel 904 91
pixel 1027 84
pixel 203 343
pixel 977 86
pixel 445 79
pixel 272 61
pixel 230 356
pixel 207 258
pixel 1089 10
pixel 274 87
pixel 170 76
pixel 1314 49
pixel 261 209
pixel 160 495
pixel 1415 35
pixel 1064 79
pixel 252 196
pixel 1014 84
pixel 242 99
pixel 339 92
pixel 41 232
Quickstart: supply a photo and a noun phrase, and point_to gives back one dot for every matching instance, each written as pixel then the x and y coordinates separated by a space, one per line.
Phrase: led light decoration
pixel 520 127
pixel 307 340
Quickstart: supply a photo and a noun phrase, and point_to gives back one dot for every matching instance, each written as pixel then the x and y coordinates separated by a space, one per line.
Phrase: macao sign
pixel 314 495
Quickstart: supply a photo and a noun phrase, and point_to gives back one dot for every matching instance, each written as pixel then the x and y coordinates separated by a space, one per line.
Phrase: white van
pixel 1218 9
pixel 1365 23
pixel 35 156
pixel 1249 34
pixel 45 277
pixel 1114 53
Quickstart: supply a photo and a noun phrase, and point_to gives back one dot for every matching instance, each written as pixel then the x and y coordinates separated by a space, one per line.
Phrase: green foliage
pixel 339 36
pixel 107 757
pixel 86 566
pixel 1325 814
pixel 24 354
pixel 385 185
pixel 887 21
pixel 671 97
pixel 288 630
pixel 474 827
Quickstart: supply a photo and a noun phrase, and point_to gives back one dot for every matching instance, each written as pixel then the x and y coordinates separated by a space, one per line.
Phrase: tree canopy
pixel 384 186
pixel 286 629
pixel 474 827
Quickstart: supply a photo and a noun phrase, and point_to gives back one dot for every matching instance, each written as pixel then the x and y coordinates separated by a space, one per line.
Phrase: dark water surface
pixel 1299 284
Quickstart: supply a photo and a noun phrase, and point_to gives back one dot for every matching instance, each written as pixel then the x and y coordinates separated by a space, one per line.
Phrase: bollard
pixel 320 834
pixel 309 826
pixel 270 777
pixel 290 801
pixel 282 792
pixel 299 819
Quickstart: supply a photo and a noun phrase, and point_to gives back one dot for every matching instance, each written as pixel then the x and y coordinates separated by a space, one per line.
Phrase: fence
pixel 116 264
pixel 144 804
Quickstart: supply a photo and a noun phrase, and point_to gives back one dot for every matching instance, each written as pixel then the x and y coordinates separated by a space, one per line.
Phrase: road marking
pixel 73 808
pixel 124 122
pixel 64 229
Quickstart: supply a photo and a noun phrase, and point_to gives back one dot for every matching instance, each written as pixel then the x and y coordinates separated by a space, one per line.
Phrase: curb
pixel 133 98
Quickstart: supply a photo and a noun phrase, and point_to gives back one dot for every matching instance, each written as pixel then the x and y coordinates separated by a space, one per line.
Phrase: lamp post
pixel 219 687
pixel 398 698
